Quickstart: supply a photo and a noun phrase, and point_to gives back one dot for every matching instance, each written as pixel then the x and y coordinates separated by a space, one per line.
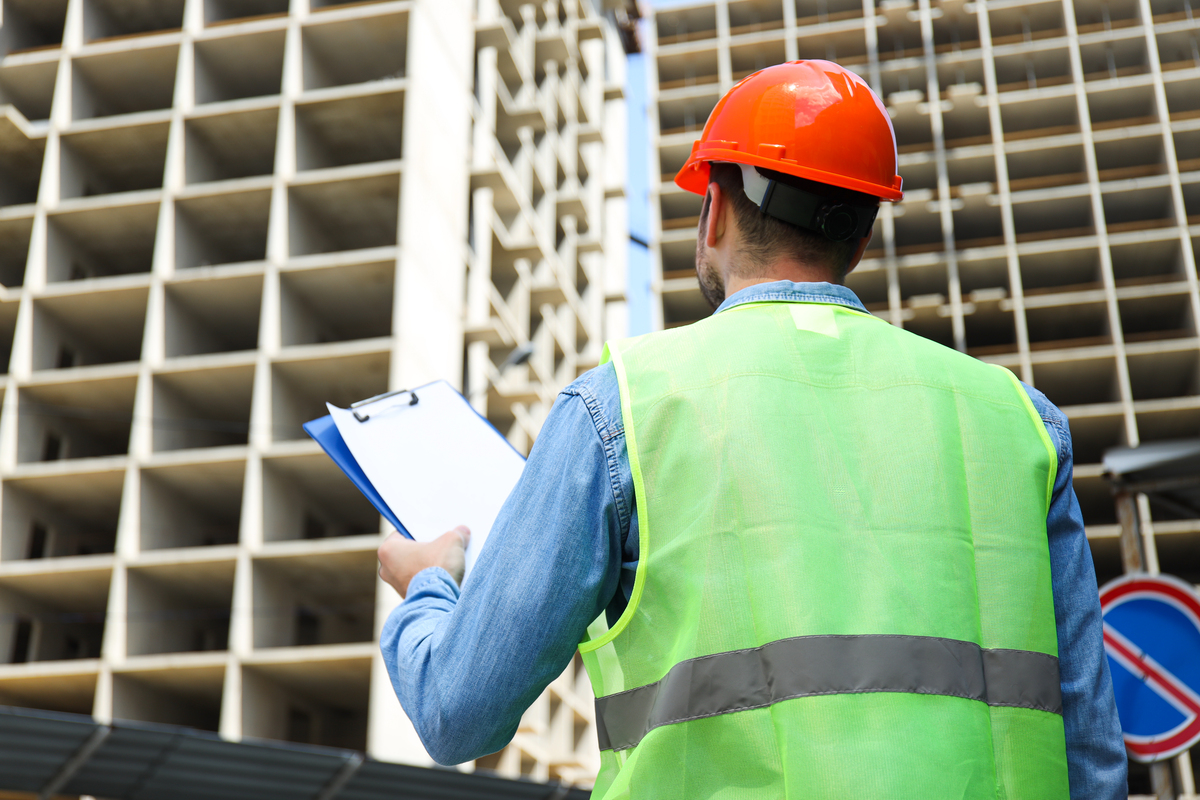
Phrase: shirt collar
pixel 792 292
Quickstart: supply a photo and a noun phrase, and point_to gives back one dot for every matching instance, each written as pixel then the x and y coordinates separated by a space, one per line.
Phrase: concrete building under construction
pixel 217 215
pixel 1050 151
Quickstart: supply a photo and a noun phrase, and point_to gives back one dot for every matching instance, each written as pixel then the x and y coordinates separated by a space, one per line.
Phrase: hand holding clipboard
pixel 425 459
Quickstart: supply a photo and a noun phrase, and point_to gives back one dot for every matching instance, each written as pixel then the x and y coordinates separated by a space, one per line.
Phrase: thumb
pixel 453 539
pixel 451 549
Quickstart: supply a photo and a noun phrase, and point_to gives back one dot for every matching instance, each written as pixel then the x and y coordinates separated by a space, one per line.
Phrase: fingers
pixel 400 558
pixel 452 547
pixel 396 560
pixel 462 532
pixel 392 549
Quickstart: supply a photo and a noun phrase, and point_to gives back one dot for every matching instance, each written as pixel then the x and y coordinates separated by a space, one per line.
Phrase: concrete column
pixel 1015 283
pixel 1097 202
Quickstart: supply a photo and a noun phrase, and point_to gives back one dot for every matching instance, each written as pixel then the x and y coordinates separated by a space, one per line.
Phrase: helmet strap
pixel 834 219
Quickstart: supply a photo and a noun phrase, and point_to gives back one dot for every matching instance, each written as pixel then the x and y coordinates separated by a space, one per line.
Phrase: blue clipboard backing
pixel 325 432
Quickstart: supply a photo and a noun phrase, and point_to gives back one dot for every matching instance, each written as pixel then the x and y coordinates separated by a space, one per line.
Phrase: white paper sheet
pixel 437 464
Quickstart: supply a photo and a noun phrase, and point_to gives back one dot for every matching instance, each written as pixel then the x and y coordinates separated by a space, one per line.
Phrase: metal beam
pixel 1158 485
pixel 75 762
pixel 1132 557
pixel 1178 506
pixel 1162 781
pixel 341 777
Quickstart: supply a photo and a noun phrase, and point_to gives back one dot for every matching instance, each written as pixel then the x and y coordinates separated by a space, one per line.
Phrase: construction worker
pixel 802 552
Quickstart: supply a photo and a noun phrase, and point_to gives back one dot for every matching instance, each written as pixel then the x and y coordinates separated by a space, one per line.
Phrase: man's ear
pixel 718 205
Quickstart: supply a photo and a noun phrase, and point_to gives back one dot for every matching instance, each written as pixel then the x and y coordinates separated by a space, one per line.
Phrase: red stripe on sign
pixel 1169 684
pixel 1183 596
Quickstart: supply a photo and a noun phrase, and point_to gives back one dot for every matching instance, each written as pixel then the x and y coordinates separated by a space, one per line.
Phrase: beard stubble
pixel 712 285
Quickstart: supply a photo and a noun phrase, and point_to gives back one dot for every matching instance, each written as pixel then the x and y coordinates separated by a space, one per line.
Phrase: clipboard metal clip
pixel 363 417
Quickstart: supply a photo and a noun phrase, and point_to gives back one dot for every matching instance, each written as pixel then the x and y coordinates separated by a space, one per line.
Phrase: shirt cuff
pixel 432 583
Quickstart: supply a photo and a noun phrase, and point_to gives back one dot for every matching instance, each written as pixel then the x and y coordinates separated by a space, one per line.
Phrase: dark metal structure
pixel 1168 473
pixel 626 14
pixel 45 754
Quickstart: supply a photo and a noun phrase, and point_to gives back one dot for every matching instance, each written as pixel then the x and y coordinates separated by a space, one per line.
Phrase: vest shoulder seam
pixel 606 428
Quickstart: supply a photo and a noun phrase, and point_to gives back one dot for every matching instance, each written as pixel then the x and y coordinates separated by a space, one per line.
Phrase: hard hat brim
pixel 694 175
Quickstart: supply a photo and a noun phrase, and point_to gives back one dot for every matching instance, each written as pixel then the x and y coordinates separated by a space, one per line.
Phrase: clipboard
pixel 425 459
pixel 326 433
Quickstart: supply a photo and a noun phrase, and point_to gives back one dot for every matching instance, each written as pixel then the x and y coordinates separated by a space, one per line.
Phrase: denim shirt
pixel 564 549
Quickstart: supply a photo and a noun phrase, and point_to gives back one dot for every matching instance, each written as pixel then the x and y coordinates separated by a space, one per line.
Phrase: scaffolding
pixel 217 215
pixel 1050 151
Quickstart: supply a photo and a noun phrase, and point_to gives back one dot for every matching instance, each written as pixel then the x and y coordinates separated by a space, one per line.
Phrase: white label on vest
pixel 816 318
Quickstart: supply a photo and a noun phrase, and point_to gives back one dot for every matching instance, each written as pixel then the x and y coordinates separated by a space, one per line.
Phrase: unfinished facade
pixel 1050 151
pixel 217 215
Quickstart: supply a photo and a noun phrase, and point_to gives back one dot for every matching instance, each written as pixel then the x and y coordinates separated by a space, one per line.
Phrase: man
pixel 819 556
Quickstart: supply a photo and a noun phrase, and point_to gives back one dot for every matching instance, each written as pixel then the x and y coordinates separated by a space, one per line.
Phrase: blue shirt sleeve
pixel 1096 761
pixel 466 666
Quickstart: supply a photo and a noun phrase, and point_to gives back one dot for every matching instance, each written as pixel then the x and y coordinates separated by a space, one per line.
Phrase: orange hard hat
pixel 810 119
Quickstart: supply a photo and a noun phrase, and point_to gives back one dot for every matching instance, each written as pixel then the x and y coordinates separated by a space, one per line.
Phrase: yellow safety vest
pixel 844 578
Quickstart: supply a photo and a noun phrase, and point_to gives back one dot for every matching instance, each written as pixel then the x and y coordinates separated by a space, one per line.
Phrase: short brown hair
pixel 765 239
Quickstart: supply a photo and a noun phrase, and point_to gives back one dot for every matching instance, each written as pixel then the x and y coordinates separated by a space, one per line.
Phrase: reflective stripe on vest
pixel 817 665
